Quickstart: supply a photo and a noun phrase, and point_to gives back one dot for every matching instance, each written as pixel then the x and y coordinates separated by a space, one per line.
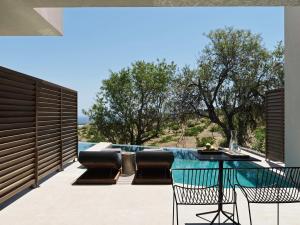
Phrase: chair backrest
pixel 263 177
pixel 201 186
pixel 272 184
pixel 202 177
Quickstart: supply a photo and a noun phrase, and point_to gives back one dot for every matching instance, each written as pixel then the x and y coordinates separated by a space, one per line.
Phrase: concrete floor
pixel 58 202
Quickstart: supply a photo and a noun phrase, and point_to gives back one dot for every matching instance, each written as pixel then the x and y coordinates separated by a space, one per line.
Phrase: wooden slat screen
pixel 69 125
pixel 38 130
pixel 275 125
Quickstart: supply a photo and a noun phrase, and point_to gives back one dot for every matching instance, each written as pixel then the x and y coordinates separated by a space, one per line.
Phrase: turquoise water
pixel 185 158
pixel 84 145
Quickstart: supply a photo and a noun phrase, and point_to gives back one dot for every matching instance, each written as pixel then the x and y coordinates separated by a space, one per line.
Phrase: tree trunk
pixel 138 140
pixel 227 133
pixel 241 133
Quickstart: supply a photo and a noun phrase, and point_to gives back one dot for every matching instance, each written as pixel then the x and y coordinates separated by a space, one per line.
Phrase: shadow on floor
pixel 15 198
pixel 24 192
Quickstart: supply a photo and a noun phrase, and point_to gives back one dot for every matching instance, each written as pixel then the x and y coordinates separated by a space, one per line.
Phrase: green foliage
pixel 203 141
pixel 166 139
pixel 216 129
pixel 193 131
pixel 190 123
pixel 131 105
pixel 203 120
pixel 260 139
pixel 205 123
pixel 228 86
pixel 174 126
pixel 162 132
pixel 89 133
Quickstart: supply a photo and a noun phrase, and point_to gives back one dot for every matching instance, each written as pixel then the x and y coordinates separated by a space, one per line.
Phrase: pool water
pixel 186 158
pixel 84 145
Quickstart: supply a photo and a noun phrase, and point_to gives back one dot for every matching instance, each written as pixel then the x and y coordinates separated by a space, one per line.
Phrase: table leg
pixel 228 215
pixel 220 210
pixel 220 180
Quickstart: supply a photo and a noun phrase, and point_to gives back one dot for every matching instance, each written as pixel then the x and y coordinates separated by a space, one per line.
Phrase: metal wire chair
pixel 202 187
pixel 274 185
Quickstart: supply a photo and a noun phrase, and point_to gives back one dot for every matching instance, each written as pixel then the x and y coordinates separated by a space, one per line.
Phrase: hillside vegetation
pixel 195 133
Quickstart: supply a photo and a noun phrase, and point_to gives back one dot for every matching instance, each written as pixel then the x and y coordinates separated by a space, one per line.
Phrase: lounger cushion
pixel 154 159
pixel 119 150
pixel 100 159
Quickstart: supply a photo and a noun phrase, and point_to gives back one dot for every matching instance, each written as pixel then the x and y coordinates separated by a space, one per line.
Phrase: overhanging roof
pixel 99 3
pixel 44 17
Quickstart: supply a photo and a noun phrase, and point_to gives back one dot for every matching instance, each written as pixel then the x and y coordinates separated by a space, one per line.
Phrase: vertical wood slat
pixel 36 175
pixel 77 141
pixel 275 125
pixel 38 106
pixel 61 126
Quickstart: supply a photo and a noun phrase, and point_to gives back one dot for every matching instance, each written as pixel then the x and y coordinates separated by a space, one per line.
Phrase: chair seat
pixel 202 196
pixel 271 195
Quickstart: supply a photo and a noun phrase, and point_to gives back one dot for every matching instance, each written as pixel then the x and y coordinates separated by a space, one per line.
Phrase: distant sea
pixel 82 120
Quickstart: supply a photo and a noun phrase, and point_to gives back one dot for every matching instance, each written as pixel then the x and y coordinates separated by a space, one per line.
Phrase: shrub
pixel 206 122
pixel 166 139
pixel 194 131
pixel 203 141
pixel 162 132
pixel 174 127
pixel 203 120
pixel 259 139
pixel 191 123
pixel 90 133
pixel 216 128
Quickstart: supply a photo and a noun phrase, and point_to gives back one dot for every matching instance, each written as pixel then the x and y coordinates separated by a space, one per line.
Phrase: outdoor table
pixel 221 156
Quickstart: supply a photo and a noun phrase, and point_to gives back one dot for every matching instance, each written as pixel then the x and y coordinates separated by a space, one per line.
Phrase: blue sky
pixel 97 40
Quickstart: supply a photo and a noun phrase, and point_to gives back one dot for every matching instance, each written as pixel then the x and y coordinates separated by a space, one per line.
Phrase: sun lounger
pixel 153 167
pixel 103 167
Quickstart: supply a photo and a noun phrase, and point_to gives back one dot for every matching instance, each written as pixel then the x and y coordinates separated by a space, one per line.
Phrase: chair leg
pixel 177 214
pixel 237 213
pixel 233 211
pixel 277 213
pixel 173 211
pixel 175 206
pixel 249 213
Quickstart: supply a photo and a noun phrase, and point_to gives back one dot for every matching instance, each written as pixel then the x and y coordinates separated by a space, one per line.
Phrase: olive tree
pixel 228 86
pixel 131 104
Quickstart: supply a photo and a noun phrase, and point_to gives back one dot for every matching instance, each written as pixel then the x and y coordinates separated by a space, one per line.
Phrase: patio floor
pixel 58 202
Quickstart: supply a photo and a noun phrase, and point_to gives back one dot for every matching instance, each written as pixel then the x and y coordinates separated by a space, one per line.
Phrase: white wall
pixel 292 86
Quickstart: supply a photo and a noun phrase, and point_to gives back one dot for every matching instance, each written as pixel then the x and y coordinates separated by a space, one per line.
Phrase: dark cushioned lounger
pixel 153 167
pixel 103 167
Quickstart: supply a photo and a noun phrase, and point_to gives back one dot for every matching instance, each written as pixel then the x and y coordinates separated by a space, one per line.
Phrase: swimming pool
pixel 186 158
pixel 84 145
